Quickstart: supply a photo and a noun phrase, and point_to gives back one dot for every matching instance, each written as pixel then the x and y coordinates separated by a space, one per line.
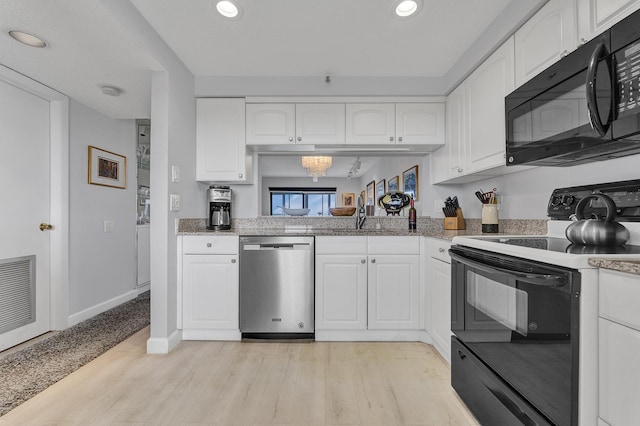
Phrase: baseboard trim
pixel 233 335
pixel 164 345
pixel 144 287
pixel 100 308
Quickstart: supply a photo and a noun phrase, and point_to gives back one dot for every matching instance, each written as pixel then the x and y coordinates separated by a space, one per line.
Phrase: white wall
pixel 524 195
pixel 102 265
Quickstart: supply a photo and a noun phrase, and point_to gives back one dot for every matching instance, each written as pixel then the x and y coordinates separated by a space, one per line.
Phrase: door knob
pixel 46 227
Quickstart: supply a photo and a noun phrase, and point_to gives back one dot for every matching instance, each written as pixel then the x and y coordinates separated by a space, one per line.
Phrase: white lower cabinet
pixel 366 287
pixel 619 345
pixel 209 284
pixel 440 296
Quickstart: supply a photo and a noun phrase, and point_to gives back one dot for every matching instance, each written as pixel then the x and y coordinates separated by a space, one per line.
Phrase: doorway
pixel 143 204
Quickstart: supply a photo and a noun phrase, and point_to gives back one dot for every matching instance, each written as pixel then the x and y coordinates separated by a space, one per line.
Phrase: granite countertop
pixel 622 265
pixel 337 226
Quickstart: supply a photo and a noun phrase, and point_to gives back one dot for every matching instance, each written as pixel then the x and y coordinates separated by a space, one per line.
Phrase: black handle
pixel 611 206
pixel 592 104
pixel 536 279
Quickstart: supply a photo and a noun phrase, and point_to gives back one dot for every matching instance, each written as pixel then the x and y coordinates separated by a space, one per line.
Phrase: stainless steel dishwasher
pixel 277 287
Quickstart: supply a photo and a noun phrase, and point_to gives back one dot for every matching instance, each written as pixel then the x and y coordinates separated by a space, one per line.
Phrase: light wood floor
pixel 253 383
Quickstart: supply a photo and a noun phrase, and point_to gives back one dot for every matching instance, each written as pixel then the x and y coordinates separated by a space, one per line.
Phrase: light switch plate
pixel 174 201
pixel 109 226
pixel 438 205
pixel 175 174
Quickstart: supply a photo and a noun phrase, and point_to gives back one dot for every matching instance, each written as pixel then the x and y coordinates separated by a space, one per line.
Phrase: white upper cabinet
pixel 320 124
pixel 220 140
pixel 271 124
pixel 371 123
pixel 448 162
pixel 595 16
pixel 549 35
pixel 485 90
pixel 420 123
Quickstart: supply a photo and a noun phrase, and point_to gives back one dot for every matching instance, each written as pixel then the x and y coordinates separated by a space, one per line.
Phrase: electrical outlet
pixel 174 201
pixel 438 205
pixel 109 225
pixel 175 174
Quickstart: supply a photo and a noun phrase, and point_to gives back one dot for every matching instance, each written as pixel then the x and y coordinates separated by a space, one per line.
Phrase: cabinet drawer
pixel 439 249
pixel 341 245
pixel 227 244
pixel 618 290
pixel 394 245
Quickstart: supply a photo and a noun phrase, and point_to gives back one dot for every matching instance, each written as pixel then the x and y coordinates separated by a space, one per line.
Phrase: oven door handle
pixel 536 279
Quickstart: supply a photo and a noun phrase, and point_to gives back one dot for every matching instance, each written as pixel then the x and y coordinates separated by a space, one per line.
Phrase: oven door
pixel 520 318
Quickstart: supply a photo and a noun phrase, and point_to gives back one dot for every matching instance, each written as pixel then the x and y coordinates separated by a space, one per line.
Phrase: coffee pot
pixel 219 198
pixel 596 231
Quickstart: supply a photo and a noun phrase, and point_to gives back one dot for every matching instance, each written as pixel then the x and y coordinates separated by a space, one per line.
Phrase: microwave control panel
pixel 628 77
pixel 625 194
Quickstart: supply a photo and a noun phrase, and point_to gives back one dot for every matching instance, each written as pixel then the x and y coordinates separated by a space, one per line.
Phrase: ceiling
pixel 88 46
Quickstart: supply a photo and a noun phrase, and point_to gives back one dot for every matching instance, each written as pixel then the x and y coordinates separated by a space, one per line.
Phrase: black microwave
pixel 584 108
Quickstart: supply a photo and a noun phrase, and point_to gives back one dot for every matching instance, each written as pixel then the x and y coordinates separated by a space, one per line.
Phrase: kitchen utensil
pixel 597 232
pixel 342 211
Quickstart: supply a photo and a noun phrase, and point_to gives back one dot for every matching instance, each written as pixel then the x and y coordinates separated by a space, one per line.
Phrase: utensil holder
pixel 490 219
pixel 455 222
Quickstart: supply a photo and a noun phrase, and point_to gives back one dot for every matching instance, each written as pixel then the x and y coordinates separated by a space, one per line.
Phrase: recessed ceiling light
pixel 406 8
pixel 111 90
pixel 28 39
pixel 228 9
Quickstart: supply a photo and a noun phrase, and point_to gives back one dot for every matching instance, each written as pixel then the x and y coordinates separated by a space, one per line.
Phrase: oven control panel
pixel 625 194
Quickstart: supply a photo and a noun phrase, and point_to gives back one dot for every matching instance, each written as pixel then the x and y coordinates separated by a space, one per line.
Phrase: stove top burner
pixel 562 245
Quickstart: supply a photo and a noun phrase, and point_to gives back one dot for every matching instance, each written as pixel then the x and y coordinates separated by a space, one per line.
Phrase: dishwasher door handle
pixel 277 246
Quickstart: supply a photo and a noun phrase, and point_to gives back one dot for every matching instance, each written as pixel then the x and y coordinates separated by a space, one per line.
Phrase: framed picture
pixel 393 184
pixel 348 199
pixel 107 168
pixel 381 188
pixel 364 197
pixel 371 193
pixel 410 182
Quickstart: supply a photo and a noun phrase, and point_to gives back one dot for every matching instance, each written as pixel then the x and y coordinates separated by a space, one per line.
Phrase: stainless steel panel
pixel 277 285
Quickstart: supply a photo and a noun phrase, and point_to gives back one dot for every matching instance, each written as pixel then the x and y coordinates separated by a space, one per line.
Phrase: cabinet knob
pixel 240 175
pixel 459 169
pixel 441 250
pixel 373 261
pixel 582 41
pixel 564 53
pixel 233 261
pixel 400 139
pixel 299 138
pixel 391 139
pixel 208 244
pixel 363 261
pixel 290 139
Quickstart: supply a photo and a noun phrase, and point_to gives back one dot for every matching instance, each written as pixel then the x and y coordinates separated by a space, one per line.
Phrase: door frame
pixel 58 190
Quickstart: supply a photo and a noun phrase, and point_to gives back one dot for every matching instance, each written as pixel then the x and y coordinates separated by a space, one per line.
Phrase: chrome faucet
pixel 360 216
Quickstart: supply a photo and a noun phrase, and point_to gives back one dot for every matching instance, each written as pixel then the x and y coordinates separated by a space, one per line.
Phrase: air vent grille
pixel 17 292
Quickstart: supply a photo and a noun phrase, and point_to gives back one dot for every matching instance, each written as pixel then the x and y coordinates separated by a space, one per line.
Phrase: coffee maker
pixel 219 207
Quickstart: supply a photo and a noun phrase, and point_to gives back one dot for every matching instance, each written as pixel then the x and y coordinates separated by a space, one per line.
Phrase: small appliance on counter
pixel 219 207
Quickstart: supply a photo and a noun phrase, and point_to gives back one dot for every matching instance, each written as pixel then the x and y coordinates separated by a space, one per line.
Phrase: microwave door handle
pixel 536 279
pixel 592 106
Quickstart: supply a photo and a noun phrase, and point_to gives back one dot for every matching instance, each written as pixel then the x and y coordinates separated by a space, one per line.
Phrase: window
pixel 317 200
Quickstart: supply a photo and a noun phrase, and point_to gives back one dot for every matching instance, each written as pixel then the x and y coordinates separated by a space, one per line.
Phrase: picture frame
pixel 381 188
pixel 410 182
pixel 371 193
pixel 348 199
pixel 393 184
pixel 107 168
pixel 363 194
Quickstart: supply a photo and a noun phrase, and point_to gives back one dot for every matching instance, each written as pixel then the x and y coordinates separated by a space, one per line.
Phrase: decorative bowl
pixel 295 212
pixel 342 211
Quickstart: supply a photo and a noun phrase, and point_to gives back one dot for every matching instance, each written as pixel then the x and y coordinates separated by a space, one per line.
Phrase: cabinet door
pixel 341 292
pixel 220 140
pixel 210 292
pixel 486 88
pixel 619 373
pixel 595 16
pixel 270 124
pixel 420 123
pixel 371 123
pixel 549 35
pixel 440 306
pixel 394 292
pixel 320 124
pixel 448 162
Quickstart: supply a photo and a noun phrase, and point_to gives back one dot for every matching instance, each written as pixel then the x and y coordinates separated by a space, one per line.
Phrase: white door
pixel 24 189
